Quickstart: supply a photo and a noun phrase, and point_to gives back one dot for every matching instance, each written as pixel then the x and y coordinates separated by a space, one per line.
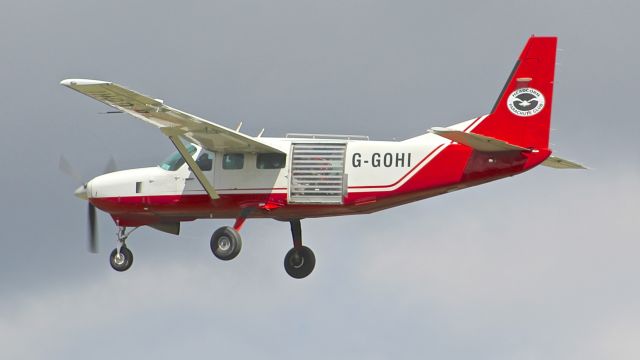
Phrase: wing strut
pixel 174 135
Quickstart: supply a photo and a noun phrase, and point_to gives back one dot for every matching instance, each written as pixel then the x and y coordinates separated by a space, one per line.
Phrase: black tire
pixel 299 263
pixel 124 262
pixel 226 243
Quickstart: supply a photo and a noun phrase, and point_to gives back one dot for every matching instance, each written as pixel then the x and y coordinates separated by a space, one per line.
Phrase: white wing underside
pixel 209 135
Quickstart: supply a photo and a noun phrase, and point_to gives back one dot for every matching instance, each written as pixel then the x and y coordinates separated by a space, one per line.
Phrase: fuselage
pixel 316 177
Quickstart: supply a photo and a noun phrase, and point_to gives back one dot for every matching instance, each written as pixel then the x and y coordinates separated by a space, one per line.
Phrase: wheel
pixel 123 261
pixel 226 243
pixel 299 263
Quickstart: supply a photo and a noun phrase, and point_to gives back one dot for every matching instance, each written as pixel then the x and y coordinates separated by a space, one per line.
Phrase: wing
pixel 209 135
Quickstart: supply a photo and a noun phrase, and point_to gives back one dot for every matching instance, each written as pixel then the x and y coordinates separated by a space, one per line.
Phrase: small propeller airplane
pixel 221 173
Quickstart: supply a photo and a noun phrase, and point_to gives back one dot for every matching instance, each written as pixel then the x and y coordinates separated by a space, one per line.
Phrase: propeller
pixel 110 167
pixel 81 192
pixel 93 227
pixel 66 168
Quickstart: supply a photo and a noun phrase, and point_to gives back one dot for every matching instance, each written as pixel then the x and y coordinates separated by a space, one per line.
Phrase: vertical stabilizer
pixel 522 113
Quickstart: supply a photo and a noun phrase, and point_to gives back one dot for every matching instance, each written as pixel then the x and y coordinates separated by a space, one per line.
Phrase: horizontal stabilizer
pixel 478 142
pixel 559 163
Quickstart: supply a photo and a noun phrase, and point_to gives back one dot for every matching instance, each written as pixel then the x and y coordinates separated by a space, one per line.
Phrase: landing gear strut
pixel 121 257
pixel 300 260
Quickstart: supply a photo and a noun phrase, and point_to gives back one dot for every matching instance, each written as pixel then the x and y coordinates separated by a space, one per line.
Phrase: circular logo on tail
pixel 525 102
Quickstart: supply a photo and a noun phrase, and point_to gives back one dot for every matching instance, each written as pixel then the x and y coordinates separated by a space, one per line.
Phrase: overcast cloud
pixel 538 266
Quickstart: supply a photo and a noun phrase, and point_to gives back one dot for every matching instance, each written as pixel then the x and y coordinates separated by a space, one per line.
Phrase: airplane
pixel 222 173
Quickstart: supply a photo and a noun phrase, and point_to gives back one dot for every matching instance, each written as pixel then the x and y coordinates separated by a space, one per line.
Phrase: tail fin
pixel 522 114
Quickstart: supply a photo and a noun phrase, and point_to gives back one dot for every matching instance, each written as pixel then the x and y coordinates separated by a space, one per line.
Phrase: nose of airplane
pixel 81 192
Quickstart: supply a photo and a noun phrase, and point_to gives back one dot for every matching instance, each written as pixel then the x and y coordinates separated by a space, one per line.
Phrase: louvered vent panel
pixel 317 173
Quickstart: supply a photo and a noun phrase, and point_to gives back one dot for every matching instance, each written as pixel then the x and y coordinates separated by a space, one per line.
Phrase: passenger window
pixel 204 162
pixel 232 161
pixel 271 161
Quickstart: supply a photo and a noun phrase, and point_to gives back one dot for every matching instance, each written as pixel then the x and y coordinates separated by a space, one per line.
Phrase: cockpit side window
pixel 205 163
pixel 175 160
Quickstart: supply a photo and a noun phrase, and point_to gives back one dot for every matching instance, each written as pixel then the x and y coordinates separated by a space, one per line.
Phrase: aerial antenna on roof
pixel 261 132
pixel 239 126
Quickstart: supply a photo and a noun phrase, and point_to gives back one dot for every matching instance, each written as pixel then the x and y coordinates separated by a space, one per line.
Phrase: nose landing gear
pixel 121 257
pixel 121 260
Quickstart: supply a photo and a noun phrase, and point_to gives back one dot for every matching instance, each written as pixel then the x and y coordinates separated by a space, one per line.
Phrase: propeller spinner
pixel 81 192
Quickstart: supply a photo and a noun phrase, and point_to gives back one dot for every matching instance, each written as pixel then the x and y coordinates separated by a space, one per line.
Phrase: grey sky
pixel 539 266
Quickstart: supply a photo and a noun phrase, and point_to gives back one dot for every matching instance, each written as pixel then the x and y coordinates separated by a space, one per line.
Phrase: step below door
pixel 317 174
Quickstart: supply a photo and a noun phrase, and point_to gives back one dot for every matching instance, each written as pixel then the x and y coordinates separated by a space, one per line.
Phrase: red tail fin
pixel 522 114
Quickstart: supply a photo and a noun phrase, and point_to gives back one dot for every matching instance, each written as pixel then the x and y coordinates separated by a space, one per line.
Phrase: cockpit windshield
pixel 175 160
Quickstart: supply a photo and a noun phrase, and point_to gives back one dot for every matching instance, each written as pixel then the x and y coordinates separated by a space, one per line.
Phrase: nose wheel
pixel 121 257
pixel 121 260
pixel 299 261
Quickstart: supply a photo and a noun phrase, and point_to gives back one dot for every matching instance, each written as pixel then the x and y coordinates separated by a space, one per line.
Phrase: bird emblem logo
pixel 525 102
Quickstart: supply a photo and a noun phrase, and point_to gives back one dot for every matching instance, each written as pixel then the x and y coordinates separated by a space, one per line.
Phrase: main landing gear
pixel 298 263
pixel 226 241
pixel 121 257
pixel 300 260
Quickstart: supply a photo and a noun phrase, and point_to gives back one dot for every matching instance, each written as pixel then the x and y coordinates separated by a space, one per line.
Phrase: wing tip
pixel 80 82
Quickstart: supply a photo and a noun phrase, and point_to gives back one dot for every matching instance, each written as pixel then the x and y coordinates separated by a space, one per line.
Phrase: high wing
pixel 209 135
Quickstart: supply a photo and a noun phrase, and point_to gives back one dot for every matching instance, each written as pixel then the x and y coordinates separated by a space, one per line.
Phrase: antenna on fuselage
pixel 261 132
pixel 239 126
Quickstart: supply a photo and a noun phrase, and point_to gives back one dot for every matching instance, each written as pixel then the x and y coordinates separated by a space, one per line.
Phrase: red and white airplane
pixel 221 173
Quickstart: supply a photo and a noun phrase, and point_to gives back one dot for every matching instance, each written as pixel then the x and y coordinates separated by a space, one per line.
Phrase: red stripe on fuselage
pixel 472 123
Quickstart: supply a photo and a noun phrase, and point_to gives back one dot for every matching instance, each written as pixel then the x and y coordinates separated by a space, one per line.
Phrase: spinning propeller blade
pixel 111 166
pixel 81 192
pixel 93 236
pixel 66 168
